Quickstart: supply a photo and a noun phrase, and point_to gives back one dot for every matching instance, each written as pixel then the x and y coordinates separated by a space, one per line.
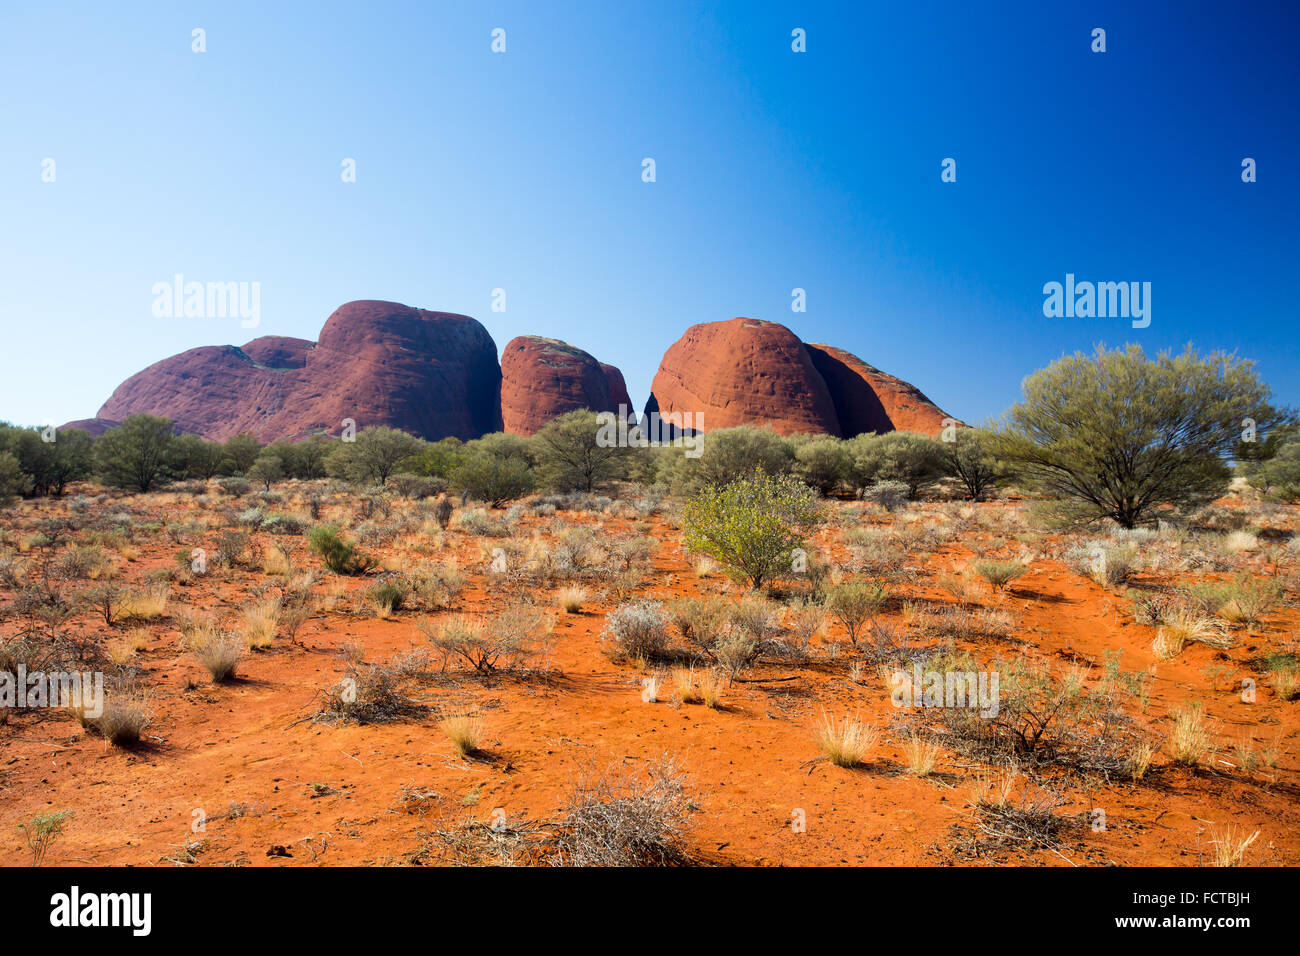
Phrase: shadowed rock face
pixel 869 400
pixel 618 395
pixel 743 372
pixel 433 374
pixel 543 378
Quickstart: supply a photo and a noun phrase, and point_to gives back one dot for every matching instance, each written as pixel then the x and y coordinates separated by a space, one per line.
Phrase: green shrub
pixel 1000 573
pixel 235 487
pixel 13 480
pixel 374 456
pixel 495 468
pixel 752 525
pixel 855 602
pixel 1242 600
pixel 821 462
pixel 388 596
pixel 906 457
pixel 1279 476
pixel 1121 435
pixel 41 831
pixel 727 455
pixel 138 454
pixel 339 555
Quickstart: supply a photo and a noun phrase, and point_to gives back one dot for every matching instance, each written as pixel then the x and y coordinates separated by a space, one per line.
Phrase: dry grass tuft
pixel 260 622
pixel 220 653
pixel 921 756
pixel 465 731
pixel 845 743
pixel 1189 740
pixel 1229 845
pixel 571 599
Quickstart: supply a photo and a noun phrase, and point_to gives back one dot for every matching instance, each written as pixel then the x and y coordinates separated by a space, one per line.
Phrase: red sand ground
pixel 243 754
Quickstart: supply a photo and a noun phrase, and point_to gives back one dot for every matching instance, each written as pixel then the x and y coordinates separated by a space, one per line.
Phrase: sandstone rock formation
pixel 743 372
pixel 749 372
pixel 379 363
pixel 436 374
pixel 543 378
pixel 278 351
pixel 869 400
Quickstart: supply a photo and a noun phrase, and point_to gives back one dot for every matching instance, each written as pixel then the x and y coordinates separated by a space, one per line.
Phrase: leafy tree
pixel 52 464
pixel 267 469
pixel 752 525
pixel 970 458
pixel 436 459
pixel 374 456
pixel 1120 435
pixel 822 462
pixel 241 451
pixel 569 456
pixel 1280 474
pixel 195 458
pixel 13 480
pixel 908 457
pixel 495 468
pixel 726 455
pixel 307 459
pixel 138 453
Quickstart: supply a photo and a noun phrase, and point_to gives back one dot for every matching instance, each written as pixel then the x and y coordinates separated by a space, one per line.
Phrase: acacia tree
pixel 266 469
pixel 52 460
pixel 138 453
pixel 373 456
pixel 970 458
pixel 1120 434
pixel 571 456
pixel 907 457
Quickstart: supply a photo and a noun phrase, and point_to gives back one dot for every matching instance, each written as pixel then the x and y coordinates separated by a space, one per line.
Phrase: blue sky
pixel 775 170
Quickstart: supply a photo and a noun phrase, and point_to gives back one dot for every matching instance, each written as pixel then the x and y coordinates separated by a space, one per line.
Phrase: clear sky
pixel 775 170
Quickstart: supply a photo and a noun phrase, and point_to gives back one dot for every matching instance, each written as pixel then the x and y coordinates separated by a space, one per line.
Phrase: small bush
pixel 890 495
pixel 41 831
pixel 752 525
pixel 571 599
pixel 123 721
pixel 855 602
pixel 339 555
pixel 639 630
pixel 220 653
pixel 1230 845
pixel 501 642
pixel 999 573
pixel 442 512
pixel 235 487
pixel 1189 740
pixel 615 819
pixel 465 731
pixel 387 597
pixel 372 693
pixel 260 622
